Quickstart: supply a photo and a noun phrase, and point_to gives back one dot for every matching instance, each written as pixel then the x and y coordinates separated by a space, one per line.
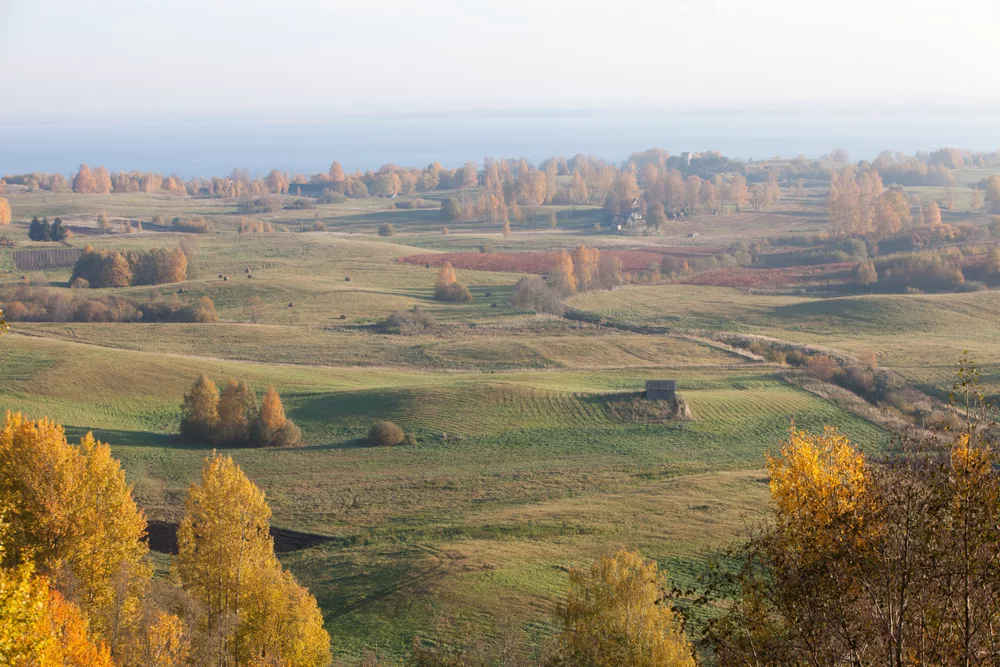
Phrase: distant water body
pixel 206 148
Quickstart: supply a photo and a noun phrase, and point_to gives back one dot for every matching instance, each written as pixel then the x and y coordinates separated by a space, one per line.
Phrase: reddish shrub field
pixel 794 275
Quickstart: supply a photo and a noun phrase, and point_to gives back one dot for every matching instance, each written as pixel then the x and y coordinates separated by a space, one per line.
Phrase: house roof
pixel 661 385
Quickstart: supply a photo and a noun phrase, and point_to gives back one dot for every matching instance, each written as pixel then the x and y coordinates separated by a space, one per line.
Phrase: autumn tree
pixel 450 210
pixel 992 264
pixel 73 516
pixel 657 215
pixel 933 214
pixel 736 191
pixel 505 229
pixel 976 202
pixel 562 275
pixel 993 193
pixel 200 411
pixel 892 213
pixel 5 216
pixel 336 172
pixel 447 287
pixel 586 263
pixel 614 615
pixel 254 611
pixel 84 182
pixel 272 428
pixel 865 273
pixel 237 413
pixel 890 561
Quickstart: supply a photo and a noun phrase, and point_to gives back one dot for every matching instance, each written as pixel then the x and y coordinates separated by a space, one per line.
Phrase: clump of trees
pixel 538 295
pixel 447 287
pixel 233 418
pixel 194 225
pixel 583 270
pixel 386 229
pixel 41 230
pixel 110 268
pixel 253 226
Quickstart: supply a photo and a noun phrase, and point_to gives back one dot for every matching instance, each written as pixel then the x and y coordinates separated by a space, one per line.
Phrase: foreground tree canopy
pixel 75 581
pixel 888 561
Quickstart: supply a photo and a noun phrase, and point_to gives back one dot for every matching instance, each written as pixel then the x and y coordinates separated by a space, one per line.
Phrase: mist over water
pixel 207 148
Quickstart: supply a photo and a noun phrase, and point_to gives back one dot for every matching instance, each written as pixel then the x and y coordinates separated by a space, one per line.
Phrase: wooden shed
pixel 661 390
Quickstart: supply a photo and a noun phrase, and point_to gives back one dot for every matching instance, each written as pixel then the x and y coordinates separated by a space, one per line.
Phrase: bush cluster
pixel 536 294
pixel 195 225
pixel 110 268
pixel 408 321
pixel 27 304
pixel 455 293
pixel 387 434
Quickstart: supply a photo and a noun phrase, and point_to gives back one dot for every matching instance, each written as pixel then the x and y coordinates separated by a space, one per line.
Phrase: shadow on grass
pixel 122 438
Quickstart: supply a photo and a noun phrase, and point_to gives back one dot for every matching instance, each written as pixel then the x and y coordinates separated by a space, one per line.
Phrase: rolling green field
pixel 520 469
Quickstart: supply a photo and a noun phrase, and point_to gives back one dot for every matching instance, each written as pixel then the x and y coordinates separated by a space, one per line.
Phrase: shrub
pixel 410 439
pixel 450 210
pixel 405 321
pixel 80 283
pixel 195 225
pixel 822 367
pixel 386 229
pixel 332 197
pixel 385 434
pixel 455 293
pixel 537 295
pixel 776 356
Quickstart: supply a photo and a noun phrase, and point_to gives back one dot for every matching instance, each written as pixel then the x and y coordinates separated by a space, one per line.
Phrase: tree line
pixel 26 303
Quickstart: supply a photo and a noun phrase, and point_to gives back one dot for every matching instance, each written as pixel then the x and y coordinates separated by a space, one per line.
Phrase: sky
pixel 68 60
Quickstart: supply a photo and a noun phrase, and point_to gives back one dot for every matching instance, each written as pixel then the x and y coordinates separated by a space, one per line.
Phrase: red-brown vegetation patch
pixel 540 262
pixel 786 277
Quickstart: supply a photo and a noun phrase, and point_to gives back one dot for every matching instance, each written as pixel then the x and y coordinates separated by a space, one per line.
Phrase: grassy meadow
pixel 520 470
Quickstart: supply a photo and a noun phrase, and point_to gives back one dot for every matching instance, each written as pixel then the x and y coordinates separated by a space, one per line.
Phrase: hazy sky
pixel 69 58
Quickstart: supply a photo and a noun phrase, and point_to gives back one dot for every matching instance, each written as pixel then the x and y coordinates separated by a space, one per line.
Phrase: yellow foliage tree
pixel 64 633
pixel 933 214
pixel 73 514
pixel 446 275
pixel 562 276
pixel 505 230
pixel 226 560
pixel 237 412
pixel 818 486
pixel 613 616
pixel 161 641
pixel 586 262
pixel 200 410
pixel 5 215
pixel 272 428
